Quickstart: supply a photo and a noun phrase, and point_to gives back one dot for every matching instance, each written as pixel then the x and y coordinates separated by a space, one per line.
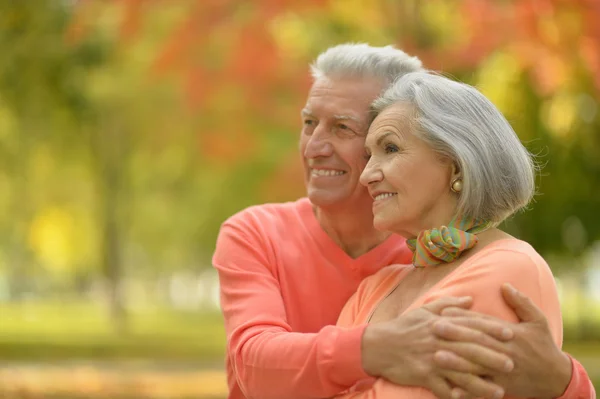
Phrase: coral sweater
pixel 283 284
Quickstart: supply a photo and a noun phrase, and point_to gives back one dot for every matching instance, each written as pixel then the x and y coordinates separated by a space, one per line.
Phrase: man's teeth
pixel 384 195
pixel 324 172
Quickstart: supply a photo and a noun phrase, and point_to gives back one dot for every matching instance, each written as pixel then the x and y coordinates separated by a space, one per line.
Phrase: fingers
pixel 458 393
pixel 524 307
pixel 474 385
pixel 480 355
pixel 450 361
pixel 440 304
pixel 440 387
pixel 460 312
pixel 473 329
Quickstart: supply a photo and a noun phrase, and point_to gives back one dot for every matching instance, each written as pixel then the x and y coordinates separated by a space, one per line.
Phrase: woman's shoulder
pixel 506 256
pixel 510 245
pixel 382 280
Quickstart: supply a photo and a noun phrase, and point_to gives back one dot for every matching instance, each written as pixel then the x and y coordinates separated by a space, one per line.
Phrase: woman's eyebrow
pixel 379 139
pixel 383 136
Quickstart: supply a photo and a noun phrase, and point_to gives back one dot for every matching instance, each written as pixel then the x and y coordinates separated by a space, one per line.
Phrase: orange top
pixel 507 260
pixel 581 386
pixel 284 282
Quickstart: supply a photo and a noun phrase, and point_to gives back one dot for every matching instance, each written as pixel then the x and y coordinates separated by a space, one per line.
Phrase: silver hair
pixel 362 60
pixel 461 123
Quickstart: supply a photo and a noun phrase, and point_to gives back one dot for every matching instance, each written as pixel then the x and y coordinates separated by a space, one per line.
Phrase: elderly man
pixel 286 271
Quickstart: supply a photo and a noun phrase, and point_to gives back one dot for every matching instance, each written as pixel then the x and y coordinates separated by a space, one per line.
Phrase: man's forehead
pixel 348 91
pixel 307 111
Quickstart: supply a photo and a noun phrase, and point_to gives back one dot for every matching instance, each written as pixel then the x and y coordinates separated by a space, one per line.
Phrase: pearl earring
pixel 456 185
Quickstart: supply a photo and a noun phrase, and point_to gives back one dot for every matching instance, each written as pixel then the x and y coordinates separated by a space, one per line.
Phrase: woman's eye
pixel 390 148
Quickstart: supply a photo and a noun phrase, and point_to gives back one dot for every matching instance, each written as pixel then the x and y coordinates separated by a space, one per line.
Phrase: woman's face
pixel 409 182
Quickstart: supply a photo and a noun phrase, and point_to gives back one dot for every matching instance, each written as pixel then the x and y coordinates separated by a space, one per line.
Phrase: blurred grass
pixel 54 330
pixel 51 332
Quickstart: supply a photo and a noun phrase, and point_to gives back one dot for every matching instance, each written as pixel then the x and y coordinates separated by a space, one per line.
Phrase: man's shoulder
pixel 270 214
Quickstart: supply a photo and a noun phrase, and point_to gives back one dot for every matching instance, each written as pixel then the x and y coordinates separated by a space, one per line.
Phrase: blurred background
pixel 131 129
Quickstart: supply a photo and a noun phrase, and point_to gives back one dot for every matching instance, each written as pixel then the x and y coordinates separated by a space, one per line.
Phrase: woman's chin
pixel 381 223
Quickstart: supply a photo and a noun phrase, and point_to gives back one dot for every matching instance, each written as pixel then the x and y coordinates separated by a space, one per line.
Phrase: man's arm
pixel 580 385
pixel 269 360
pixel 542 369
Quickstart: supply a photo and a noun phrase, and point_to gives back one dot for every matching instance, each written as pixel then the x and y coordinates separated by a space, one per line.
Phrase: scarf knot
pixel 446 243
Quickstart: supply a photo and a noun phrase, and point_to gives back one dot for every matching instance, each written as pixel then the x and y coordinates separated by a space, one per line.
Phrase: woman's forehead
pixel 397 117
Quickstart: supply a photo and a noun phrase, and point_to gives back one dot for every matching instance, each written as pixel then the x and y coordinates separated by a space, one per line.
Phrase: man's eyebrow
pixel 306 112
pixel 347 117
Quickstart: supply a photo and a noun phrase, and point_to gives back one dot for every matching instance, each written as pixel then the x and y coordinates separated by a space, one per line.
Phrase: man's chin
pixel 325 198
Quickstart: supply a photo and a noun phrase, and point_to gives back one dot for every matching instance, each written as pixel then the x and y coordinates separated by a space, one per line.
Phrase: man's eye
pixel 367 156
pixel 308 122
pixel 343 127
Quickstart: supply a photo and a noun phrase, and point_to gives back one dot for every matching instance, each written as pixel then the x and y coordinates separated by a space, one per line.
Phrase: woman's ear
pixel 456 171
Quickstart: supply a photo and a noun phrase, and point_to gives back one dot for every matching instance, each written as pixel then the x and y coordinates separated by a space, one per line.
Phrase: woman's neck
pixel 440 214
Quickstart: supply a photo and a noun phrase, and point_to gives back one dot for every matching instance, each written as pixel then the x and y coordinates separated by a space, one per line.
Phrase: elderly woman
pixel 445 168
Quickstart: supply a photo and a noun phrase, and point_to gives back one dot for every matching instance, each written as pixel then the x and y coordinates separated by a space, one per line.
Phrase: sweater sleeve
pixel 580 386
pixel 269 360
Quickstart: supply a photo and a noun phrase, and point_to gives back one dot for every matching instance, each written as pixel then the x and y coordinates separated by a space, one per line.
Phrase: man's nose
pixel 319 144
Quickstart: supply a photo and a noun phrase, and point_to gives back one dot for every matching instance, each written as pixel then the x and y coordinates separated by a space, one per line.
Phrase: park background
pixel 131 129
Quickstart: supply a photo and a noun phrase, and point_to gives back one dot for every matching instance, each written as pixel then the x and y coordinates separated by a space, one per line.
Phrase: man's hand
pixel 541 369
pixel 402 351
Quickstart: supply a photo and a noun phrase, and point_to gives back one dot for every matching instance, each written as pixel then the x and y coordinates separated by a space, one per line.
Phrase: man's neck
pixel 351 229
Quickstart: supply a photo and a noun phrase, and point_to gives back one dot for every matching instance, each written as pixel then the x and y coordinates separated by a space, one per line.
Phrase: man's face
pixel 335 123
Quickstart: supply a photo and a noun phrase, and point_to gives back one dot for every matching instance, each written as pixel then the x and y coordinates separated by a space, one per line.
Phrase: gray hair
pixel 461 123
pixel 362 60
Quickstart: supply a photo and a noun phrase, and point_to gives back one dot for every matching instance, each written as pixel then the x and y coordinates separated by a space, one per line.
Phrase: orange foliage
pixel 531 30
pixel 227 147
pixel 173 55
pixel 131 18
pixel 197 88
pixel 255 55
pixel 534 31
pixel 283 184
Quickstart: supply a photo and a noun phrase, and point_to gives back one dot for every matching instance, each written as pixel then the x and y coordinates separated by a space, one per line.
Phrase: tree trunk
pixel 111 251
pixel 20 214
pixel 107 149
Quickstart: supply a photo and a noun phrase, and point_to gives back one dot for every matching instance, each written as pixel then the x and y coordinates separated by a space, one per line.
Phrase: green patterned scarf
pixel 446 243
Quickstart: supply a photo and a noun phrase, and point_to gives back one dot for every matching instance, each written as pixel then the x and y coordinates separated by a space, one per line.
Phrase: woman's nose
pixel 371 173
